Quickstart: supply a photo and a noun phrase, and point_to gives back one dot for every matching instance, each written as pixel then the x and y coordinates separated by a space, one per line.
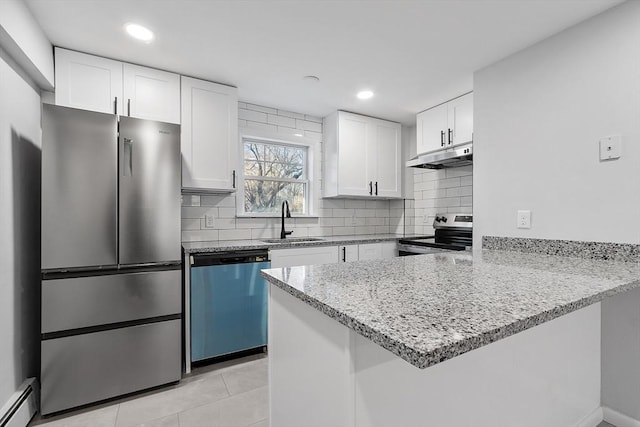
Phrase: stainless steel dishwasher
pixel 228 303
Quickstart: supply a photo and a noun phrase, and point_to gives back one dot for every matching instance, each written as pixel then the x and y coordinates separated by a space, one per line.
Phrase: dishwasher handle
pixel 229 257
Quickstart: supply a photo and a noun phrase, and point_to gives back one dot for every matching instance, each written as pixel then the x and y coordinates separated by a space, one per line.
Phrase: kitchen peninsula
pixel 494 338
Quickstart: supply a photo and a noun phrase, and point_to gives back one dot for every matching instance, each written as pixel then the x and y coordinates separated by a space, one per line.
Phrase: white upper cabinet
pixel 98 84
pixel 445 125
pixel 362 156
pixel 209 135
pixel 151 94
pixel 88 82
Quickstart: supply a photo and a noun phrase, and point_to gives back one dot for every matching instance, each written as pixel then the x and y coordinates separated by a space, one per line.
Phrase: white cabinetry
pixel 315 255
pixel 98 84
pixel 209 135
pixel 382 250
pixel 348 253
pixel 151 94
pixel 362 156
pixel 445 125
pixel 88 82
pixel 304 256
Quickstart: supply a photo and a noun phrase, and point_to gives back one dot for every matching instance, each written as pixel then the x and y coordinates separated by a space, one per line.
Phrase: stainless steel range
pixel 453 232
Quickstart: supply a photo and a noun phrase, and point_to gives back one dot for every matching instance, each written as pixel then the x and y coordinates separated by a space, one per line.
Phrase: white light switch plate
pixel 611 147
pixel 524 219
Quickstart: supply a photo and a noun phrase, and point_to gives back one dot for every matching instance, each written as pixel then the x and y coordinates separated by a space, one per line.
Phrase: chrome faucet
pixel 284 234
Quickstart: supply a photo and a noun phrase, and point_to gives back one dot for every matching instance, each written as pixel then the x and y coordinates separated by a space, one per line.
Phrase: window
pixel 274 172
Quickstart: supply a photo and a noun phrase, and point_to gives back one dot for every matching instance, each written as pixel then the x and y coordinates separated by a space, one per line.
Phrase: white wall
pixel 23 39
pixel 538 116
pixel 20 154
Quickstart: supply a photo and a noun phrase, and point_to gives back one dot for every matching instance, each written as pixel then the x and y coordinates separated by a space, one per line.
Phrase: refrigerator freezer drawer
pixel 90 301
pixel 87 368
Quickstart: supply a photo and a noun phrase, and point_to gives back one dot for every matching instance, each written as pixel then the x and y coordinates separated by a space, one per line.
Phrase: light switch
pixel 610 147
pixel 208 221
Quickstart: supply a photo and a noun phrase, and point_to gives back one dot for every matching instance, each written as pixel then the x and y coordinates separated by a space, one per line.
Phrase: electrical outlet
pixel 208 221
pixel 524 219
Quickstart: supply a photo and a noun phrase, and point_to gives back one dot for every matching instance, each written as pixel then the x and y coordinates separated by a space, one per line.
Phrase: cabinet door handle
pixel 442 138
pixel 344 254
pixel 115 105
pixel 376 188
pixel 370 188
pixel 129 107
pixel 233 174
pixel 450 136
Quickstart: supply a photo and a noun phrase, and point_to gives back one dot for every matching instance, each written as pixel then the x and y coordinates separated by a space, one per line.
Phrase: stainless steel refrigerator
pixel 111 272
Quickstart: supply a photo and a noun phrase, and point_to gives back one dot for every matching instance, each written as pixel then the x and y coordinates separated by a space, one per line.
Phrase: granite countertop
pixel 430 308
pixel 234 245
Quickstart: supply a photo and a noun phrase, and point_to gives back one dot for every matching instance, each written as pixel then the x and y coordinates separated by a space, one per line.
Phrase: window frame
pixel 277 139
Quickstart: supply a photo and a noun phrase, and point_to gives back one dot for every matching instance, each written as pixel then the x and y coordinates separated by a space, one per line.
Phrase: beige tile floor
pixel 232 393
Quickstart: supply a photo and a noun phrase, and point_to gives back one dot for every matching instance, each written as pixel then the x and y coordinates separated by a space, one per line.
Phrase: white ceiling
pixel 412 54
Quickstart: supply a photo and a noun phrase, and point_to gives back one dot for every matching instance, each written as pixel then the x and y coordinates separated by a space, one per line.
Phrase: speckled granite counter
pixel 232 245
pixel 430 308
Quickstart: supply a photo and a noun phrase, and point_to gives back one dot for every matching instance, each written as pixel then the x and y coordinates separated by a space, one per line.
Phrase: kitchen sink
pixel 293 240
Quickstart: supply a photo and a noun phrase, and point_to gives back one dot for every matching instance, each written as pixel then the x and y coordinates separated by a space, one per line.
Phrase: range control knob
pixel 437 219
pixel 444 219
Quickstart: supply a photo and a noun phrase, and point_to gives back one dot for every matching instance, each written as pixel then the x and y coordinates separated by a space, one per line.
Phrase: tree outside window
pixel 274 172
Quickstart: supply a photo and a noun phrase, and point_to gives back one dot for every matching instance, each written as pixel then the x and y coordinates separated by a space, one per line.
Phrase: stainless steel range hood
pixel 453 157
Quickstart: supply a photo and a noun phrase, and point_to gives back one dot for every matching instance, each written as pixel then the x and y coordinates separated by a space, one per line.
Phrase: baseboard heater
pixel 21 406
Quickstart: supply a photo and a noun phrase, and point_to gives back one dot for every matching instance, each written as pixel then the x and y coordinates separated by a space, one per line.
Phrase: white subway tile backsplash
pixel 199 235
pixel 235 234
pixel 313 118
pixel 261 108
pixel 308 125
pixel 365 213
pixel 315 136
pixel 261 126
pixel 191 224
pixel 250 115
pixel 219 200
pixel 354 204
pixel 277 120
pixel 291 114
pixel 435 192
pixel 193 212
pixel 227 212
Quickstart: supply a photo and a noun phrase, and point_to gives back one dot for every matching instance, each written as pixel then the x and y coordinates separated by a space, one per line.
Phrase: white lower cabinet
pixel 382 250
pixel 331 254
pixel 304 256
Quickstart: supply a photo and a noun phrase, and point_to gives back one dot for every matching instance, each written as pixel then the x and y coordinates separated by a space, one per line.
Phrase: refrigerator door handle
pixel 128 157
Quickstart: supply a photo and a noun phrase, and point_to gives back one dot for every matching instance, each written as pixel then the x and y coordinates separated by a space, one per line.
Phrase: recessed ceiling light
pixel 312 79
pixel 297 134
pixel 139 32
pixel 364 94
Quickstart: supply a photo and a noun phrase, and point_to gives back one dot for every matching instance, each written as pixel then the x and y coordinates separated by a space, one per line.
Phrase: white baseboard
pixel 592 419
pixel 618 419
pixel 21 406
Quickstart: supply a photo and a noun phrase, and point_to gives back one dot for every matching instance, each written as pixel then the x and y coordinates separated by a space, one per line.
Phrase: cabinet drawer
pixel 90 301
pixel 87 368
